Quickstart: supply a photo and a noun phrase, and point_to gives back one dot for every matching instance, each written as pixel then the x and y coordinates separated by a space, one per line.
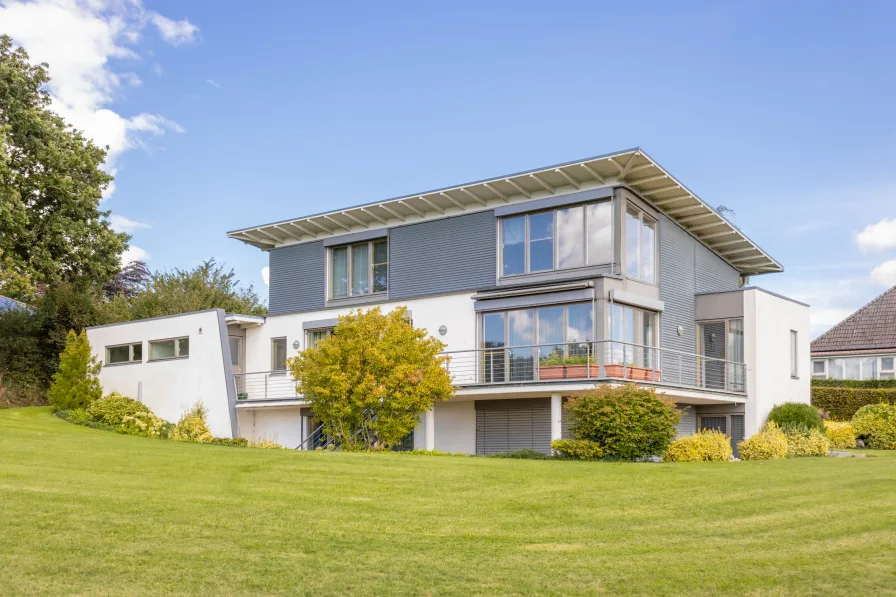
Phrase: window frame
pixel 642 216
pixel 880 372
pixel 824 373
pixel 555 266
pixel 534 308
pixel 130 360
pixel 273 354
pixel 177 355
pixel 370 269
pixel 310 332
pixel 794 354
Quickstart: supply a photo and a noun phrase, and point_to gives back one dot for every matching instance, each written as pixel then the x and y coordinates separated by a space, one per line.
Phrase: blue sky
pixel 227 114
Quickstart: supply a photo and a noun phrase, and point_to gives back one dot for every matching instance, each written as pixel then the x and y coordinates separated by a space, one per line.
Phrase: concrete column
pixel 306 429
pixel 556 416
pixel 430 429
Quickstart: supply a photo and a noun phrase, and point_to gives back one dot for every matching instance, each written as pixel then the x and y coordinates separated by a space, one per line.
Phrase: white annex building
pixel 542 284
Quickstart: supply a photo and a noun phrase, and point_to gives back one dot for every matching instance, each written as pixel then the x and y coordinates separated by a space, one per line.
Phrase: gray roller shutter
pixel 503 428
pixel 688 423
pixel 737 433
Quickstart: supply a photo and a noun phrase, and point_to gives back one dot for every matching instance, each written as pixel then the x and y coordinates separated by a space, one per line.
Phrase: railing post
pixel 624 361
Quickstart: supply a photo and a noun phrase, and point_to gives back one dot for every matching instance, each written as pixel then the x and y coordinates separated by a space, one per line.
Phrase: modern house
pixel 862 346
pixel 541 284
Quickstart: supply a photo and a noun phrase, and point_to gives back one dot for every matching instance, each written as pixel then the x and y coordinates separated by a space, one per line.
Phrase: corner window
pixel 887 370
pixel 794 354
pixel 124 353
pixel 359 269
pixel 559 239
pixel 633 332
pixel 173 348
pixel 640 245
pixel 278 354
pixel 315 336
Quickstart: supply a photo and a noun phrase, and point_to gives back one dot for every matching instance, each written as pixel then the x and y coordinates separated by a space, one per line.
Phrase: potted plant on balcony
pixel 557 366
pixel 633 372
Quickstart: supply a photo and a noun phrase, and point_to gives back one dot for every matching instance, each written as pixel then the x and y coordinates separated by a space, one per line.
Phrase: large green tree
pixel 51 183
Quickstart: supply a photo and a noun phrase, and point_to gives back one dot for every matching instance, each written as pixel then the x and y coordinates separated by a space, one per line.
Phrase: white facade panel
pixel 280 424
pixel 455 427
pixel 170 387
pixel 768 322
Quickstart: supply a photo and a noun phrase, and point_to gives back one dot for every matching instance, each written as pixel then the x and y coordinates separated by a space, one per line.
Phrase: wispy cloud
pixel 213 83
pixel 124 224
pixel 174 32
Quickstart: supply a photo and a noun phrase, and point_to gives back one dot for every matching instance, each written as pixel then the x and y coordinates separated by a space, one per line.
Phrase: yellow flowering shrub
pixel 768 444
pixel 841 435
pixel 144 424
pixel 876 424
pixel 264 442
pixel 807 443
pixel 192 426
pixel 707 445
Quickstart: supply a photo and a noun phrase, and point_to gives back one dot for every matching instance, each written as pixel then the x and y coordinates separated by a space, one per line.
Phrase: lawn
pixel 91 512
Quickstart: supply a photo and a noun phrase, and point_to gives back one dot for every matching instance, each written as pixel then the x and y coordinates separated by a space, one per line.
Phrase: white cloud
pixel 133 253
pixel 878 237
pixel 266 275
pixel 84 42
pixel 213 83
pixel 174 32
pixel 158 70
pixel 885 274
pixel 123 224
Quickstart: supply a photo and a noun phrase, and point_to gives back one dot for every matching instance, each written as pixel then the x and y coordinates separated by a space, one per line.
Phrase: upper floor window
pixel 124 353
pixel 563 238
pixel 640 245
pixel 173 348
pixel 278 354
pixel 359 269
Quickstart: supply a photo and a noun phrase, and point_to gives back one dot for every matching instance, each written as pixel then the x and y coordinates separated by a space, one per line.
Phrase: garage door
pixel 505 425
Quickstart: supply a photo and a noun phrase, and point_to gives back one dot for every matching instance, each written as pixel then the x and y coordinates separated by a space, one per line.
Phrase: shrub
pixel 78 416
pixel 627 421
pixel 796 414
pixel 144 424
pixel 192 426
pixel 841 435
pixel 843 402
pixel 524 454
pixel 768 444
pixel 806 442
pixel 75 384
pixel 416 452
pixel 230 441
pixel 267 444
pixel 876 425
pixel 705 446
pixel 112 409
pixel 867 384
pixel 578 449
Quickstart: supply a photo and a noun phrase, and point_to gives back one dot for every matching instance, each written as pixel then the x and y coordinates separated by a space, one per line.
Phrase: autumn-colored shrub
pixel 876 425
pixel 706 445
pixel 840 434
pixel 806 442
pixel 768 444
pixel 192 426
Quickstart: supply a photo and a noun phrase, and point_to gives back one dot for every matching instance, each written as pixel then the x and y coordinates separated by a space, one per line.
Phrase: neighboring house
pixel 7 303
pixel 541 284
pixel 862 346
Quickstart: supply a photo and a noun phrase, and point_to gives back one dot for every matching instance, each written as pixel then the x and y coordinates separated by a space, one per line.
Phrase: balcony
pixel 264 386
pixel 594 361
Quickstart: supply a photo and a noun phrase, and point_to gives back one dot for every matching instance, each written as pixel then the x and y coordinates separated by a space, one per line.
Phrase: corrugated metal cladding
pixel 737 433
pixel 505 425
pixel 686 267
pixel 448 255
pixel 688 423
pixel 297 278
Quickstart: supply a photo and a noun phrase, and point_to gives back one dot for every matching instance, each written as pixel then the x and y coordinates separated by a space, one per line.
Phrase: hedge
pixel 842 403
pixel 866 384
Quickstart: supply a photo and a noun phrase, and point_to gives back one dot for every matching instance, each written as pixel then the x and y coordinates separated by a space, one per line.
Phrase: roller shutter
pixel 506 426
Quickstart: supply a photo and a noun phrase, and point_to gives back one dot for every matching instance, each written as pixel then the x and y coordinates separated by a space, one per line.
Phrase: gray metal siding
pixel 688 423
pixel 297 278
pixel 502 428
pixel 449 255
pixel 686 267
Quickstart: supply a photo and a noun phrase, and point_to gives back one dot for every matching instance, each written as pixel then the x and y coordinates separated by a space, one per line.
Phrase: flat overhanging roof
pixel 632 168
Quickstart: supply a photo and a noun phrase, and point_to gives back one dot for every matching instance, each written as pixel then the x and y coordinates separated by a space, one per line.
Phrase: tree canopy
pixel 51 183
pixel 369 382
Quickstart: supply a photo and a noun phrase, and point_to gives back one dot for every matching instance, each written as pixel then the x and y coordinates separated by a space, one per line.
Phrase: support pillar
pixel 556 416
pixel 306 430
pixel 430 429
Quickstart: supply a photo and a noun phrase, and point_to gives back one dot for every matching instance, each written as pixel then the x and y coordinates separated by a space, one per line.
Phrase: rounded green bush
pixel 113 409
pixel 628 421
pixel 796 415
pixel 876 424
pixel 706 446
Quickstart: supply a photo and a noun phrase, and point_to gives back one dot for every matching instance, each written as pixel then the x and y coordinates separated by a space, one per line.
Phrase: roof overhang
pixel 632 168
pixel 244 321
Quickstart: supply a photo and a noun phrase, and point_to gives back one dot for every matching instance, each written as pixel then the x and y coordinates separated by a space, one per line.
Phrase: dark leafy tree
pixel 128 282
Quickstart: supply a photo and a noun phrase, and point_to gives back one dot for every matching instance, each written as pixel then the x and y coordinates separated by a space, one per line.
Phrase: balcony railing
pixel 602 360
pixel 265 385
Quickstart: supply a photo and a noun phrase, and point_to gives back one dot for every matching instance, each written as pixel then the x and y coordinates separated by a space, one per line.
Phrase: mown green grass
pixel 90 512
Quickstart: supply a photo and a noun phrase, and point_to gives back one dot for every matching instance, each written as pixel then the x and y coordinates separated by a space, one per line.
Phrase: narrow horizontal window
pixel 172 348
pixel 124 353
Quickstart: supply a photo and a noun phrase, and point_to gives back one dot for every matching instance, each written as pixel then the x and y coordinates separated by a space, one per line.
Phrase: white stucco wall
pixel 280 424
pixel 170 387
pixel 768 321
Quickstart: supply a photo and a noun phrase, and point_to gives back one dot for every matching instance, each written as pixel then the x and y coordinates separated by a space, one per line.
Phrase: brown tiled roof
pixel 870 328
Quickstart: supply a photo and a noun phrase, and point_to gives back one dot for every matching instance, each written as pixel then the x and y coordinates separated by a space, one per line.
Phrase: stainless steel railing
pixel 265 385
pixel 600 360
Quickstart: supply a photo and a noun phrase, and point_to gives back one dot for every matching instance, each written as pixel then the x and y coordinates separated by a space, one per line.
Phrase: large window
pixel 172 348
pixel 516 340
pixel 124 353
pixel 359 269
pixel 640 245
pixel 278 354
pixel 633 332
pixel 862 368
pixel 564 238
